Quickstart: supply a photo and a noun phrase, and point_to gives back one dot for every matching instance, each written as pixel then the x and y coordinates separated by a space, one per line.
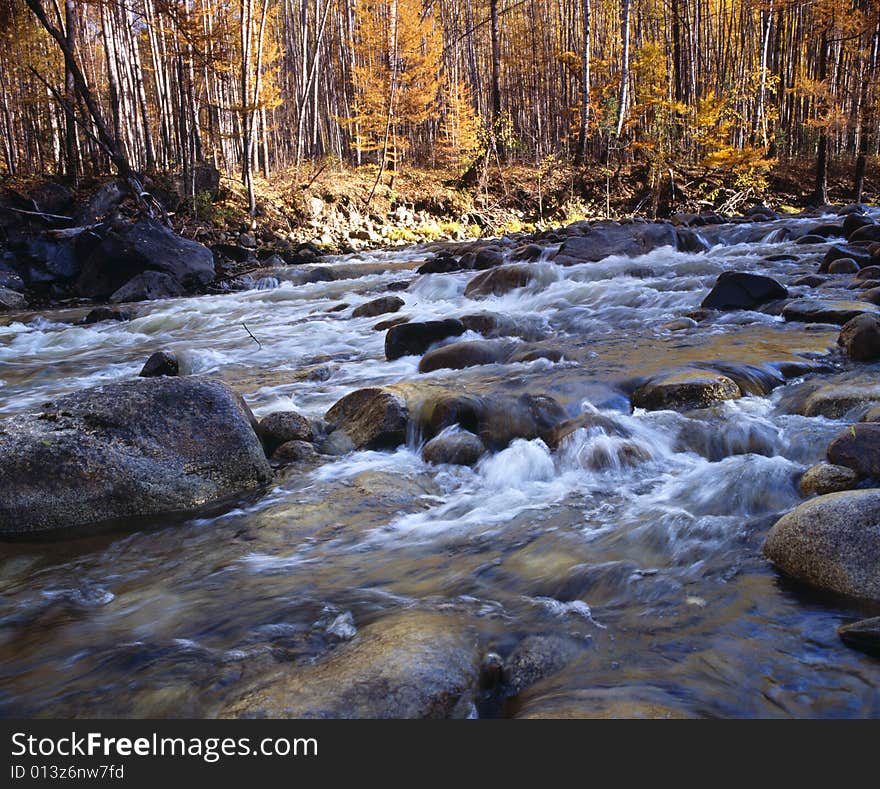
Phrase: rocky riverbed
pixel 614 469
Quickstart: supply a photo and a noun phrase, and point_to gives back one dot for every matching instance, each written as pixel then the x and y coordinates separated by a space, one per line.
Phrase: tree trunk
pixel 581 156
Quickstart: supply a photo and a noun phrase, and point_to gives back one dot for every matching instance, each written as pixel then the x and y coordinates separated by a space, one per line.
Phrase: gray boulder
pixel 631 240
pixel 127 451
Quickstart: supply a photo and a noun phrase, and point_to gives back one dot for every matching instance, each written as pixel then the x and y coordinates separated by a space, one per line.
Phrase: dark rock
pixel 372 418
pixel 338 307
pixel 827 478
pixel 283 426
pixel 872 296
pixel 496 419
pixel 532 354
pixel 11 300
pixel 409 339
pixel 810 281
pixel 57 260
pixel 527 252
pixel 734 290
pixel 294 452
pixel 831 542
pixel 102 202
pixel 458 355
pixel 860 337
pixel 843 266
pixel 458 447
pixel 232 252
pixel 828 231
pixel 127 451
pixel 691 241
pixel 600 241
pixel 501 280
pixel 537 657
pixel 869 272
pixel 870 232
pixel 853 222
pixel 439 265
pixel 409 665
pixel 148 286
pixel 811 239
pixel 781 258
pixel 825 310
pixel 247 241
pixel 858 448
pixel 684 390
pixel 11 280
pixel 378 306
pixel 487 258
pixel 834 401
pixel 316 274
pixel 863 635
pixel 489 324
pixel 839 251
pixel 679 324
pixel 337 443
pixel 160 363
pixel 124 252
pixel 100 314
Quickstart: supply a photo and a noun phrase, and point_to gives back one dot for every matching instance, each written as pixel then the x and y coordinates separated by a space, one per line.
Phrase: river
pixel 647 562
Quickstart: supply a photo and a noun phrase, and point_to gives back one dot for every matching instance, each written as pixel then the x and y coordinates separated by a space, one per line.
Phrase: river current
pixel 647 562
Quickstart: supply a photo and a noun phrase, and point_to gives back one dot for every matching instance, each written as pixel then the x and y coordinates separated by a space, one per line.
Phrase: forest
pixel 734 87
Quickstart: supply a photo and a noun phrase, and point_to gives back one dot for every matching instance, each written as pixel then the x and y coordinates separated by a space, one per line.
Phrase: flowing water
pixel 638 540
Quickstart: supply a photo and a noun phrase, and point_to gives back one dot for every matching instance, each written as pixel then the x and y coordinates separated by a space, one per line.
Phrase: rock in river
pixel 160 363
pixel 863 635
pixel 737 290
pixel 825 310
pixel 378 306
pixel 126 451
pixel 408 665
pixel 408 339
pixel 831 542
pixel 501 280
pixel 858 448
pixel 457 447
pixel 372 418
pixel 283 426
pixel 685 390
pixel 860 337
pixel 458 355
pixel 827 478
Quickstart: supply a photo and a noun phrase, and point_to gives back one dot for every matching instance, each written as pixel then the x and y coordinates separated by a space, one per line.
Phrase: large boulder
pixel 11 300
pixel 124 251
pixel 737 290
pixel 858 448
pixel 127 451
pixel 408 665
pixel 501 280
pixel 372 418
pixel 831 542
pixel 860 337
pixel 408 339
pixel 684 390
pixel 603 240
pixel 147 286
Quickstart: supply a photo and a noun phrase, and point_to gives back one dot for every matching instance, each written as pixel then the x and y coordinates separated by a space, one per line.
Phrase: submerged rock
pixel 831 542
pixel 827 478
pixel 409 339
pixel 863 635
pixel 459 448
pixel 283 426
pixel 126 451
pixel 537 657
pixel 372 418
pixel 408 665
pixel 736 290
pixel 160 363
pixel 684 390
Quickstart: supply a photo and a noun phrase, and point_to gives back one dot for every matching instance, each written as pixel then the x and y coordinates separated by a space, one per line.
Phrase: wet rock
pixel 872 296
pixel 387 324
pixel 853 222
pixel 860 337
pixel 810 281
pixel 781 258
pixel 684 390
pixel 498 281
pixel 531 354
pixel 858 448
pixel 338 307
pixel 149 286
pixel 496 419
pixel 863 635
pixel 600 241
pixel 337 443
pixel 457 447
pixel 831 542
pixel 537 657
pixel 868 272
pixel 294 452
pixel 488 258
pixel 489 324
pixel 459 355
pixel 283 426
pixel 372 418
pixel 690 241
pixel 827 478
pixel 127 451
pixel 232 252
pixel 400 285
pixel 124 251
pixel 11 300
pixel 415 338
pixel 10 280
pixel 825 310
pixel 160 363
pixel 840 251
pixel 602 703
pixel 869 232
pixel 679 324
pixel 442 264
pixel 828 231
pixel 835 401
pixel 378 306
pixel 100 314
pixel 735 290
pixel 528 252
pixel 408 665
pixel 811 239
pixel 843 266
